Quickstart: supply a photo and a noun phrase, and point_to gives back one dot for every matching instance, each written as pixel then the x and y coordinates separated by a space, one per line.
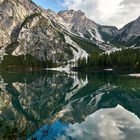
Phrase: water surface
pixel 61 106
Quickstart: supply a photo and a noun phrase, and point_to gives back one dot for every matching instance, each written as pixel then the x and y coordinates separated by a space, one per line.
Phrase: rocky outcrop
pixel 55 38
pixel 129 35
pixel 81 25
pixel 77 23
pixel 26 29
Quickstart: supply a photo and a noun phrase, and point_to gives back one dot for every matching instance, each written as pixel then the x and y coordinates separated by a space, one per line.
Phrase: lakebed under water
pixel 56 105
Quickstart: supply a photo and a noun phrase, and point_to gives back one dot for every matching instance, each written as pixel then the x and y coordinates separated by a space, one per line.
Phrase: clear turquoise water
pixel 54 105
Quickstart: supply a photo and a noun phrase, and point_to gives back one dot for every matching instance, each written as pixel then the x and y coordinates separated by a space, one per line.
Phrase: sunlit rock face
pixel 26 29
pixel 130 34
pixel 77 22
pixel 12 14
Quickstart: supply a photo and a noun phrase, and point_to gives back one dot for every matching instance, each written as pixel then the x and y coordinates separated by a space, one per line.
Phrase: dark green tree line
pixel 126 58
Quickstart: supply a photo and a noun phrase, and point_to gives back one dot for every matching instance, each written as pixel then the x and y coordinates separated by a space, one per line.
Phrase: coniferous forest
pixel 124 59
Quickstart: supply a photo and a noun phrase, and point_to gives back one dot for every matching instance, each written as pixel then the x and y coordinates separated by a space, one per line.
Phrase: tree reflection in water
pixel 62 100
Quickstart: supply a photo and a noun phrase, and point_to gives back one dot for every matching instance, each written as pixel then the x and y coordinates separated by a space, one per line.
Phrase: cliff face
pixel 61 38
pixel 77 24
pixel 13 13
pixel 130 34
pixel 85 27
pixel 25 29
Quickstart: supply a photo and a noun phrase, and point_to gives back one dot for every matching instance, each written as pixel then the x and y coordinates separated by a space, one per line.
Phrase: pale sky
pixel 106 12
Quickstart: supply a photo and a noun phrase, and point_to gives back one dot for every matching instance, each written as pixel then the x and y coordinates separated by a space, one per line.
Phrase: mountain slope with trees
pixel 52 39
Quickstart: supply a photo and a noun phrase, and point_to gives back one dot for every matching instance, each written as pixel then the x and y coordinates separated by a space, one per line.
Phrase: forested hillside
pixel 124 59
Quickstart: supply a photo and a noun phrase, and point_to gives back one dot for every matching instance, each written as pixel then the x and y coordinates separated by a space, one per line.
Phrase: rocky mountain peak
pixel 51 13
pixel 138 19
pixel 72 15
pixel 26 30
pixel 130 33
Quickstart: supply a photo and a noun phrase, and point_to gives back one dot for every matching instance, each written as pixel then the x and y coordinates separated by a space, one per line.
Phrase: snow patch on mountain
pixel 98 36
pixel 80 53
pixel 113 49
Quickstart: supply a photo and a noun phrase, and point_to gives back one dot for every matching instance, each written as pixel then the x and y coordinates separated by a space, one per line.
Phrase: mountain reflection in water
pixel 105 124
pixel 53 105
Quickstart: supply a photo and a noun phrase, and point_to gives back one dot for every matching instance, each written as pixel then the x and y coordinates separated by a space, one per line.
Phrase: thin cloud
pixel 128 2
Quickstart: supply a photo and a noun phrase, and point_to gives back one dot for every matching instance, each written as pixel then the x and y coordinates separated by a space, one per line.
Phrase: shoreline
pixel 129 71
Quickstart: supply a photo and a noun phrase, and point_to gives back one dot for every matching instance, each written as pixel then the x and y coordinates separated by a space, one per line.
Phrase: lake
pixel 56 105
